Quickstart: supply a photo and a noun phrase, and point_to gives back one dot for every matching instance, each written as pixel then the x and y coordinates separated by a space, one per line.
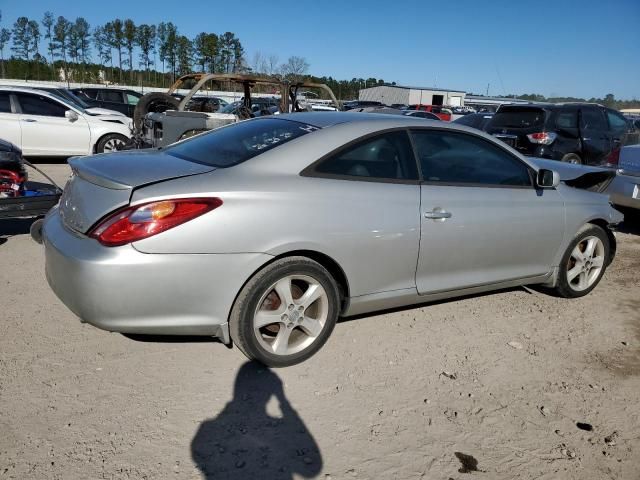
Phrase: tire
pixel 153 102
pixel 572 158
pixel 592 266
pixel 280 333
pixel 111 143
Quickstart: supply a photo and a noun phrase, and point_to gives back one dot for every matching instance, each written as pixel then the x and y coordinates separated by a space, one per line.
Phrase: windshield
pixel 69 101
pixel 230 108
pixel 237 143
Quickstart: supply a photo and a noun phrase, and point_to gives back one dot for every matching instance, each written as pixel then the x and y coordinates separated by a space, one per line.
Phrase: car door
pixel 46 130
pixel 483 222
pixel 9 121
pixel 595 136
pixel 373 183
pixel 620 132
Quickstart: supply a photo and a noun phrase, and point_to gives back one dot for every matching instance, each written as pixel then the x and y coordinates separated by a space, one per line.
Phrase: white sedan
pixel 41 123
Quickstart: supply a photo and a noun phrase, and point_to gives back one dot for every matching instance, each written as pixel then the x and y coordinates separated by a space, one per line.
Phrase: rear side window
pixel 237 143
pixel 386 156
pixel 567 119
pixel 456 158
pixel 592 119
pixel 111 96
pixel 518 118
pixel 39 105
pixel 617 122
pixel 5 103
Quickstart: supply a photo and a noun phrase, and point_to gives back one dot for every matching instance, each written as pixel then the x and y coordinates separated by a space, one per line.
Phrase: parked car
pixel 159 127
pixel 13 175
pixel 571 132
pixel 123 100
pixel 475 120
pixel 41 123
pixel 624 190
pixel 264 232
pixel 441 112
pixel 350 105
pixel 71 97
pixel 421 114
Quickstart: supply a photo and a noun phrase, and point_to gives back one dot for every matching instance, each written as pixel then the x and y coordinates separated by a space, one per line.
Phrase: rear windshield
pixel 518 118
pixel 237 143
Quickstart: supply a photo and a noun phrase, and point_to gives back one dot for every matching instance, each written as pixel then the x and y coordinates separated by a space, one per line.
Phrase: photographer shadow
pixel 246 441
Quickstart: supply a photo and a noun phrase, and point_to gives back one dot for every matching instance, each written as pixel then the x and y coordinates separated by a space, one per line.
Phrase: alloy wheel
pixel 291 315
pixel 585 263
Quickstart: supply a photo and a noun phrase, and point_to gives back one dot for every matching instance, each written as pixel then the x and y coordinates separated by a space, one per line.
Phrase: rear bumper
pixel 120 289
pixel 624 190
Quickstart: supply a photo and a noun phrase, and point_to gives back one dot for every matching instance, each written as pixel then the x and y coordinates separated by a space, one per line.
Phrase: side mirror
pixel 547 178
pixel 71 115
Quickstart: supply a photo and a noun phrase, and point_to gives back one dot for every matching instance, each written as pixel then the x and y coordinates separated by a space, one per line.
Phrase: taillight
pixel 142 221
pixel 543 138
pixel 614 157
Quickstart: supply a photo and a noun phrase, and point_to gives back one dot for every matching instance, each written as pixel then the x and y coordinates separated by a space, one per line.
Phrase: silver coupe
pixel 265 232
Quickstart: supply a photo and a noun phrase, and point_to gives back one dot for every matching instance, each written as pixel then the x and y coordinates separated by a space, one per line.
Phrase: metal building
pixel 397 94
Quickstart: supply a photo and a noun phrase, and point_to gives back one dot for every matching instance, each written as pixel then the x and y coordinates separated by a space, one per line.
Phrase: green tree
pixel 33 29
pixel 5 36
pixel 61 31
pixel 103 47
pixel 206 50
pixel 146 40
pixel 47 23
pixel 81 33
pixel 130 32
pixel 21 39
pixel 115 34
pixel 184 54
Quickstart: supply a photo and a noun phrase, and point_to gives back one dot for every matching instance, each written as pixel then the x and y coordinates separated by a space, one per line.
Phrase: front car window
pixel 132 99
pixel 456 158
pixel 387 156
pixel 237 143
pixel 40 105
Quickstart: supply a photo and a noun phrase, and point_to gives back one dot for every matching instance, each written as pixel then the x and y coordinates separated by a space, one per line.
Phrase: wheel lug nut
pixel 300 308
pixel 291 307
pixel 285 317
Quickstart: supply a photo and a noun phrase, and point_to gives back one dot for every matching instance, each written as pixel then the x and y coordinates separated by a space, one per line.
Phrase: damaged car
pixel 160 119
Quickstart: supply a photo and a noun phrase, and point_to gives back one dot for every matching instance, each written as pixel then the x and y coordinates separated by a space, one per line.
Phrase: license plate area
pixel 511 140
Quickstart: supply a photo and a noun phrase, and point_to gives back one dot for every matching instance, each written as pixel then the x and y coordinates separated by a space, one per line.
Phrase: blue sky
pixel 584 48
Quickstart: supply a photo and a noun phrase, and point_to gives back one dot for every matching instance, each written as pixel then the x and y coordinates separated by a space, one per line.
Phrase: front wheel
pixel 572 158
pixel 286 312
pixel 584 263
pixel 111 142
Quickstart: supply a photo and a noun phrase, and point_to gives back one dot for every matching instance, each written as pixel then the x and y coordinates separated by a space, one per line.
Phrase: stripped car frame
pixel 158 129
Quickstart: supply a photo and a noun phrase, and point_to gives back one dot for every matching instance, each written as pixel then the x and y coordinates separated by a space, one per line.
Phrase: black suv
pixel 571 132
pixel 120 99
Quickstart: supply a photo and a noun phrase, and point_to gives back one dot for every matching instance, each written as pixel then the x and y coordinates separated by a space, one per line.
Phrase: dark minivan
pixel 571 132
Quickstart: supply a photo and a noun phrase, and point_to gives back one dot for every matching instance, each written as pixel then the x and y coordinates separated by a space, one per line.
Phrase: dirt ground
pixel 495 386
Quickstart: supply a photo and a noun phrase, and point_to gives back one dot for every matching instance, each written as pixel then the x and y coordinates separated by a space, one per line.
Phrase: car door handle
pixel 437 215
pixel 30 120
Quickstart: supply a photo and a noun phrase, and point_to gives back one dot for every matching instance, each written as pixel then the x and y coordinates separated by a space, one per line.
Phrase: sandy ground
pixel 435 392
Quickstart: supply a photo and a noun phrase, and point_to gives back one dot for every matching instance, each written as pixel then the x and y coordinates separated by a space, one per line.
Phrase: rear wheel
pixel 572 158
pixel 286 312
pixel 111 142
pixel 584 262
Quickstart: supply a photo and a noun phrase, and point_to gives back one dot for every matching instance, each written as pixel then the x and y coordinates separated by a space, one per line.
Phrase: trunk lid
pixel 512 124
pixel 100 184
